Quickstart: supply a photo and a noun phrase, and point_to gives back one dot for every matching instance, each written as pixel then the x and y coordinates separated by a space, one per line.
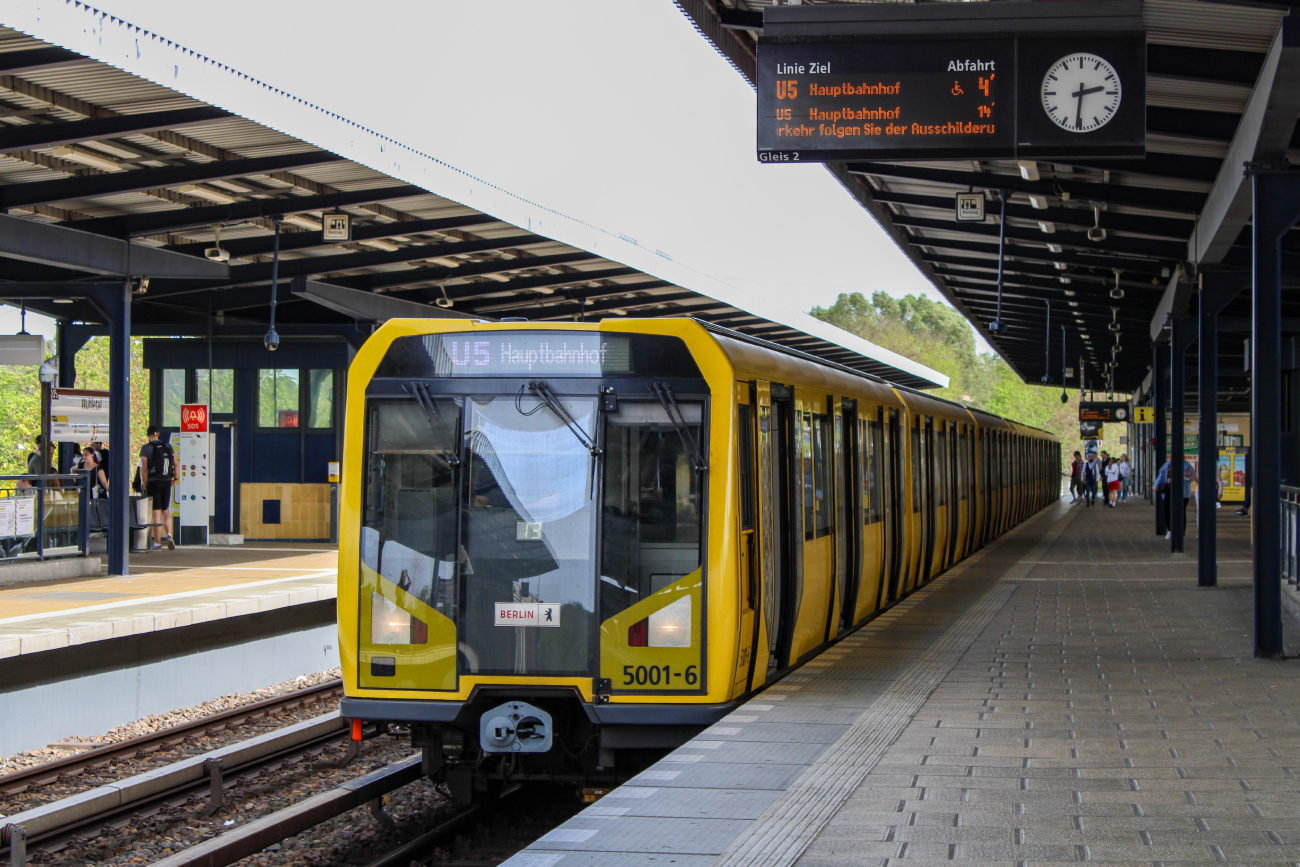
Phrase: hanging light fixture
pixel 1096 233
pixel 272 340
pixel 1117 293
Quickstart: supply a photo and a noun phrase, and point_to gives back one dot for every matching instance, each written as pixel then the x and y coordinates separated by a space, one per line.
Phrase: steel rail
pixel 19 781
pixel 253 837
pixel 113 801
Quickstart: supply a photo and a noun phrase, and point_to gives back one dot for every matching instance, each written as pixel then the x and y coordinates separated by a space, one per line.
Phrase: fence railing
pixel 1291 534
pixel 44 516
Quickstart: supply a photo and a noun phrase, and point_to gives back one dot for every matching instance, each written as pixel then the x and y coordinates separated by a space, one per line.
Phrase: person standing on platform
pixel 98 478
pixel 1125 470
pixel 1076 478
pixel 158 466
pixel 1091 476
pixel 1112 483
pixel 1166 488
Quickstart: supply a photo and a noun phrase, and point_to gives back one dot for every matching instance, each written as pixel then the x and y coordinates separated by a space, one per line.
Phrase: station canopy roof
pixel 89 147
pixel 1223 88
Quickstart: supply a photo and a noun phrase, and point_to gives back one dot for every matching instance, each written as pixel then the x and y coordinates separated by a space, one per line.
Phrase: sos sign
pixel 194 418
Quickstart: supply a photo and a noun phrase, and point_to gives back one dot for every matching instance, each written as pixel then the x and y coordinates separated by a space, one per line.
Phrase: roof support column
pixel 1183 335
pixel 1277 209
pixel 1217 290
pixel 1160 400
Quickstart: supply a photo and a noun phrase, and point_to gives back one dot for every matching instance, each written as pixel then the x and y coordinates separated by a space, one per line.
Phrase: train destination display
pixel 840 101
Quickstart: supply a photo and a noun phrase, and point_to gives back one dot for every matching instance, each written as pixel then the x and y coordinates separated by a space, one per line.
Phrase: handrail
pixel 36 485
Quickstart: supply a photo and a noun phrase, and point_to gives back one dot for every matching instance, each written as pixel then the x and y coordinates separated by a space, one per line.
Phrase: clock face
pixel 1121 413
pixel 1081 92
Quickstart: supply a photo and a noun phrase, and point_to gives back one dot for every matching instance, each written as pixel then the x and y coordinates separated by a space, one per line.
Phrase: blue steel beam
pixel 1276 210
pixel 37 135
pixel 180 219
pixel 86 186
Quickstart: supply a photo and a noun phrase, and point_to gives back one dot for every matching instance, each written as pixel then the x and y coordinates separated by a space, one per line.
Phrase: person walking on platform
pixel 1091 476
pixel 1165 490
pixel 1125 470
pixel 1076 479
pixel 1112 483
pixel 158 466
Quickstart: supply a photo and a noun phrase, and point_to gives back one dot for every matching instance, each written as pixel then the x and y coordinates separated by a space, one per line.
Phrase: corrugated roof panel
pixel 1194 24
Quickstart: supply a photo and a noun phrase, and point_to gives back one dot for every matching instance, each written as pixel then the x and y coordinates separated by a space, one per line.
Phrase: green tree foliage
pixel 937 336
pixel 20 400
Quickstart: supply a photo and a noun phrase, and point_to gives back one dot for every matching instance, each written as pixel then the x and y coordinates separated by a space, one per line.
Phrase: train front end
pixel 524 570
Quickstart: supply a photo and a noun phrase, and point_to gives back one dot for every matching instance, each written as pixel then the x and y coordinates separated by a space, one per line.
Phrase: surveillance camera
pixel 271 341
pixel 217 254
pixel 1096 233
pixel 1065 398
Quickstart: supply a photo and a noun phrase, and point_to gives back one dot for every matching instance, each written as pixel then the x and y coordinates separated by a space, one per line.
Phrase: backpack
pixel 162 461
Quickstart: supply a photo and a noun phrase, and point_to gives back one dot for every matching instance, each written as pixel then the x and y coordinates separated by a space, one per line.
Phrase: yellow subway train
pixel 564 545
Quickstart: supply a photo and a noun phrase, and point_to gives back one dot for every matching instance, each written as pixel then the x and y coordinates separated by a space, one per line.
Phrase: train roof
pixel 905 393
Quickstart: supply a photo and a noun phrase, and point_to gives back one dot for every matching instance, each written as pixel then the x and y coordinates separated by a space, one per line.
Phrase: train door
pixel 956 508
pixel 896 506
pixel 750 572
pixel 851 513
pixel 971 469
pixel 841 529
pixel 928 507
pixel 777 463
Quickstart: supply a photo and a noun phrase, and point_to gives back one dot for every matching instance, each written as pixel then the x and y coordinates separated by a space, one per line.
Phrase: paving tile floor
pixel 1068 694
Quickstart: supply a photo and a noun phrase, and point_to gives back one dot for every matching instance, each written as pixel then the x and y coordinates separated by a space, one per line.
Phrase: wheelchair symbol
pixel 956 89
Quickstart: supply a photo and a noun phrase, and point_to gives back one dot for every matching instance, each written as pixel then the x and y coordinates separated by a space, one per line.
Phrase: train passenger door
pixel 779 546
pixel 927 499
pixel 747 497
pixel 894 514
pixel 956 508
pixel 849 472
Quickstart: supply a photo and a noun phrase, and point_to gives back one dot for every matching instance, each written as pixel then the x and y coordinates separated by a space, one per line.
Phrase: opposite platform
pixel 1066 694
pixel 165 590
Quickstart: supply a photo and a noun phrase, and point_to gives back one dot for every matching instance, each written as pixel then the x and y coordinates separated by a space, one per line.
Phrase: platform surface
pixel 165 590
pixel 1067 694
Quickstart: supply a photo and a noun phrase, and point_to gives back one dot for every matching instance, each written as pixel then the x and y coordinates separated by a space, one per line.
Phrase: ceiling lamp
pixel 1039 202
pixel 75 154
pixel 1054 248
pixel 201 192
pixel 1047 227
pixel 1068 293
pixel 378 244
pixel 1028 169
pixel 500 278
pixel 445 262
pixel 303 221
pixel 1060 266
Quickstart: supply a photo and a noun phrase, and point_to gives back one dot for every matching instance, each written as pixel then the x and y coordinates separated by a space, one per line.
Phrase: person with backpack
pixel 158 467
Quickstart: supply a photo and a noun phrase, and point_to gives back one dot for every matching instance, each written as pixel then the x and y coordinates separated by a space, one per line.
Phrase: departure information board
pixel 937 99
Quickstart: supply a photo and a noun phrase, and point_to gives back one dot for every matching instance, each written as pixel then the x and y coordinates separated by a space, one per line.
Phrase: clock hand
pixel 1079 95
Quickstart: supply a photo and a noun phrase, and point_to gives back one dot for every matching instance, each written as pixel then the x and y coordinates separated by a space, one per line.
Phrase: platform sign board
pixel 989 98
pixel 1103 412
pixel 78 415
pixel 969 207
pixel 1144 414
pixel 193 491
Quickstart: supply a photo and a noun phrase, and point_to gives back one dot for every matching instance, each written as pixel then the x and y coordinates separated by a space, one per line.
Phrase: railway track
pixel 52 824
pixel 17 782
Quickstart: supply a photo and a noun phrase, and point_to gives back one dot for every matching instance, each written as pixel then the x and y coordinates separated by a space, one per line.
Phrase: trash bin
pixel 141 514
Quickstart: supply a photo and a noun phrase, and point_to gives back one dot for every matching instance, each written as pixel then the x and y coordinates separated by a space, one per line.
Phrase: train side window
pixel 916 466
pixel 877 500
pixel 941 469
pixel 809 483
pixel 745 420
pixel 823 495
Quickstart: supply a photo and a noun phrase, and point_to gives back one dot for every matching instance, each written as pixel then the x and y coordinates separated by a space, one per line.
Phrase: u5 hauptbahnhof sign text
pixel 981 99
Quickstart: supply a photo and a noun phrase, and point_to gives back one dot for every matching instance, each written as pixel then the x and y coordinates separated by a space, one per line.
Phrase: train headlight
pixel 670 626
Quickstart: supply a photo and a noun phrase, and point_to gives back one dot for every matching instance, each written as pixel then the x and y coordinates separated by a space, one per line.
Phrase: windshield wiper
pixel 546 396
pixel 429 407
pixel 664 393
